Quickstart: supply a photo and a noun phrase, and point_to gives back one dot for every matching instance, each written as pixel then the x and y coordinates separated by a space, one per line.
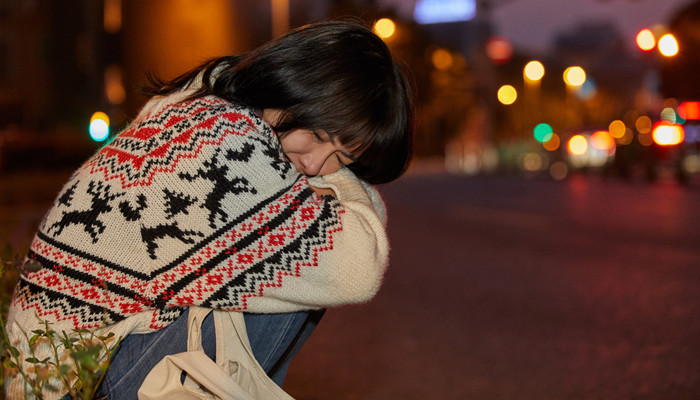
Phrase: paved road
pixel 501 288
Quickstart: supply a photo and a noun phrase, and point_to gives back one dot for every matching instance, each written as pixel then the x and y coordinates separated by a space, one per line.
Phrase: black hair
pixel 336 77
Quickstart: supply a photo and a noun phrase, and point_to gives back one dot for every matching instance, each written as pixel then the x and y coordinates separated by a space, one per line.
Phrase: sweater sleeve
pixel 352 267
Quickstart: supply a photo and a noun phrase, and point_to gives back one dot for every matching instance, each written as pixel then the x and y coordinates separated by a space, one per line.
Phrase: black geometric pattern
pixel 195 205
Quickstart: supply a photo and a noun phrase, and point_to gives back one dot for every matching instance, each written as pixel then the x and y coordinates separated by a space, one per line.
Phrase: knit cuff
pixel 349 188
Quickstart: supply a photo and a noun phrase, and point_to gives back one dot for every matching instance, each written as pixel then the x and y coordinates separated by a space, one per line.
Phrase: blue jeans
pixel 274 338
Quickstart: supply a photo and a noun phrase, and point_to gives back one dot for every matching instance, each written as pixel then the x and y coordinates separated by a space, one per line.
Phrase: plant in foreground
pixel 78 359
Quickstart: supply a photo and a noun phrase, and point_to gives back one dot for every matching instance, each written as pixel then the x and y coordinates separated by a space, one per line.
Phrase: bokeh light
pixel 588 90
pixel 626 138
pixel 668 114
pixel 499 49
pixel 617 129
pixel 436 11
pixel 574 76
pixel 507 94
pixel 645 139
pixel 689 110
pixel 553 143
pixel 442 59
pixel 99 126
pixel 578 145
pixel 643 124
pixel 558 170
pixel 384 28
pixel 646 40
pixel 112 16
pixel 542 132
pixel 691 163
pixel 602 140
pixel 533 162
pixel 533 71
pixel 114 85
pixel 665 134
pixel 668 46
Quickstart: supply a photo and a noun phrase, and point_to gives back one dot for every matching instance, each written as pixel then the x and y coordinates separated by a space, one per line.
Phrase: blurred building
pixel 613 75
pixel 60 63
pixel 680 74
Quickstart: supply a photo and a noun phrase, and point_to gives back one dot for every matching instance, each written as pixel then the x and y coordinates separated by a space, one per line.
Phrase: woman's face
pixel 311 152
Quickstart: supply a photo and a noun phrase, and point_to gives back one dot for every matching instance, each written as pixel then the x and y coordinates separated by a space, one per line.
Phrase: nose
pixel 313 162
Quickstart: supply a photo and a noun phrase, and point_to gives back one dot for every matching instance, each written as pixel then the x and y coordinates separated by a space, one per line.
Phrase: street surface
pixel 502 288
pixel 506 288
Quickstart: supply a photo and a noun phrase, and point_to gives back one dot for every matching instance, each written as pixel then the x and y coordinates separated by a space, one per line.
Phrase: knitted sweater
pixel 195 204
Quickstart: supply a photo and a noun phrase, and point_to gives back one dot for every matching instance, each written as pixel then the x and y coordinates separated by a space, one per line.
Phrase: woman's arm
pixel 349 272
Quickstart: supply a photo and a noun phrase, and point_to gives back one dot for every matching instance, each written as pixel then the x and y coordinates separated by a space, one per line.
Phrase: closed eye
pixel 344 160
pixel 318 138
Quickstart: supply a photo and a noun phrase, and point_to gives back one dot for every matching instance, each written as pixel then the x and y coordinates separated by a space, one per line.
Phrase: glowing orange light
pixel 507 94
pixel 646 39
pixel 602 140
pixel 617 129
pixel 578 145
pixel 112 16
pixel 442 59
pixel 114 85
pixel 384 28
pixel 665 134
pixel 643 124
pixel 553 143
pixel 689 110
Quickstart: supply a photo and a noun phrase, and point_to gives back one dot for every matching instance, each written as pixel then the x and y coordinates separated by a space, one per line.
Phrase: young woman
pixel 243 185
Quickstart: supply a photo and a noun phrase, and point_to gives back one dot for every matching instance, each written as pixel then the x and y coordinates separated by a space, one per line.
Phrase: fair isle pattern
pixel 176 211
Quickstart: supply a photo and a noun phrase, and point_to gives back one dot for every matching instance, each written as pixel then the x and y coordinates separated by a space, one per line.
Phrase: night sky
pixel 532 24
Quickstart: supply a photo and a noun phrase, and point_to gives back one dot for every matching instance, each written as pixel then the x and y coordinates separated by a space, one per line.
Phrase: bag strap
pixel 194 327
pixel 235 345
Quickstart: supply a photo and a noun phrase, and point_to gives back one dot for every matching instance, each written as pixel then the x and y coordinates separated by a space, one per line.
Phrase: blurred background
pixel 545 240
pixel 535 87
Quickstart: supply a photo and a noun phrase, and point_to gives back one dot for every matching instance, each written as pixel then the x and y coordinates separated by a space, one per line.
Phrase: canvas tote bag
pixel 235 375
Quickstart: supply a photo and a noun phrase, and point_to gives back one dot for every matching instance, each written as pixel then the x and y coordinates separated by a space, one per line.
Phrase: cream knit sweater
pixel 195 204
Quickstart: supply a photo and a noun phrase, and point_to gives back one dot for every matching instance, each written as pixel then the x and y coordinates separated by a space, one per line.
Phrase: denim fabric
pixel 274 338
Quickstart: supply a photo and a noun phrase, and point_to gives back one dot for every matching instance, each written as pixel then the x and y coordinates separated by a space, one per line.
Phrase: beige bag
pixel 235 374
